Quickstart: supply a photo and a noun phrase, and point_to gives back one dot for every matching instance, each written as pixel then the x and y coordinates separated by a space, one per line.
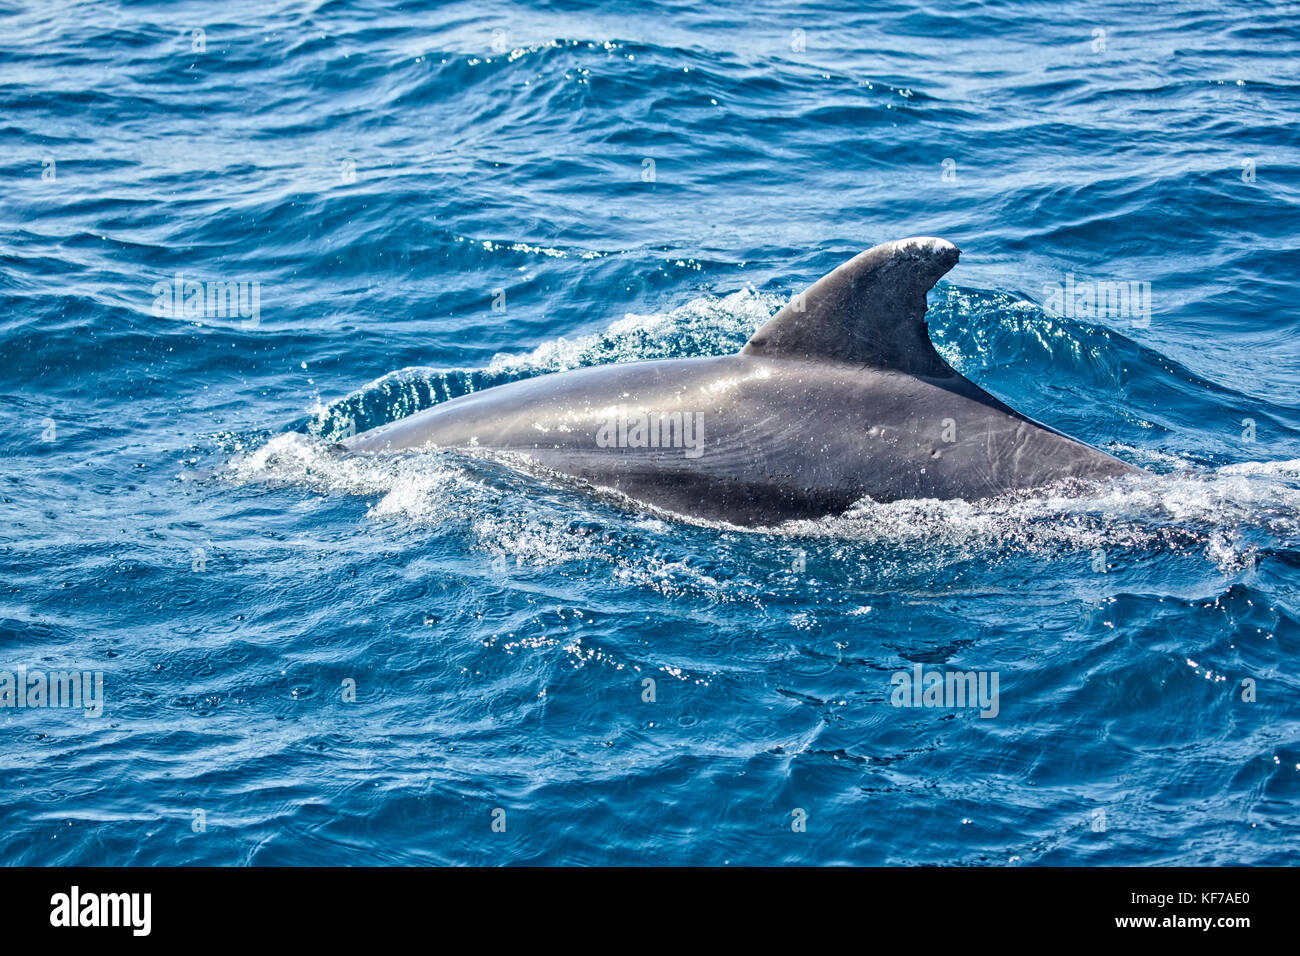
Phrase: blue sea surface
pixel 311 658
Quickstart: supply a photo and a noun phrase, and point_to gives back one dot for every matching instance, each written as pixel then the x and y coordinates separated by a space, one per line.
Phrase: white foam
pixel 710 324
pixel 1210 510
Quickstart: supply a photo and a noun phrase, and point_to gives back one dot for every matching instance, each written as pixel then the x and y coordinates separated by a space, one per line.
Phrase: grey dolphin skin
pixel 837 397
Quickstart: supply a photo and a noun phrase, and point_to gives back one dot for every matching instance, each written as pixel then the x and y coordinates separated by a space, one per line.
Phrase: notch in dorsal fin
pixel 869 311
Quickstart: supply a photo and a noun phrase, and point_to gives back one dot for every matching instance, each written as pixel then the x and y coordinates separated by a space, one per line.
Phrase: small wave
pixel 1225 513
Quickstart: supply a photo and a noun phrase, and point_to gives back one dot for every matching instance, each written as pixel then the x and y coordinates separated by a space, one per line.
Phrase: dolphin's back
pixel 839 396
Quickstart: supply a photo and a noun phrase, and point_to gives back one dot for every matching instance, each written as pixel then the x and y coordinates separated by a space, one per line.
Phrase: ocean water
pixel 432 658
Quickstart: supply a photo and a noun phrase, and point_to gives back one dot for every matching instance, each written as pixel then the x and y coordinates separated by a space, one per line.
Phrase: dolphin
pixel 838 397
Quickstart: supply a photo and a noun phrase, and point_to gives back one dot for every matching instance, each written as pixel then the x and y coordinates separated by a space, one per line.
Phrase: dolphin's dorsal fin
pixel 869 311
